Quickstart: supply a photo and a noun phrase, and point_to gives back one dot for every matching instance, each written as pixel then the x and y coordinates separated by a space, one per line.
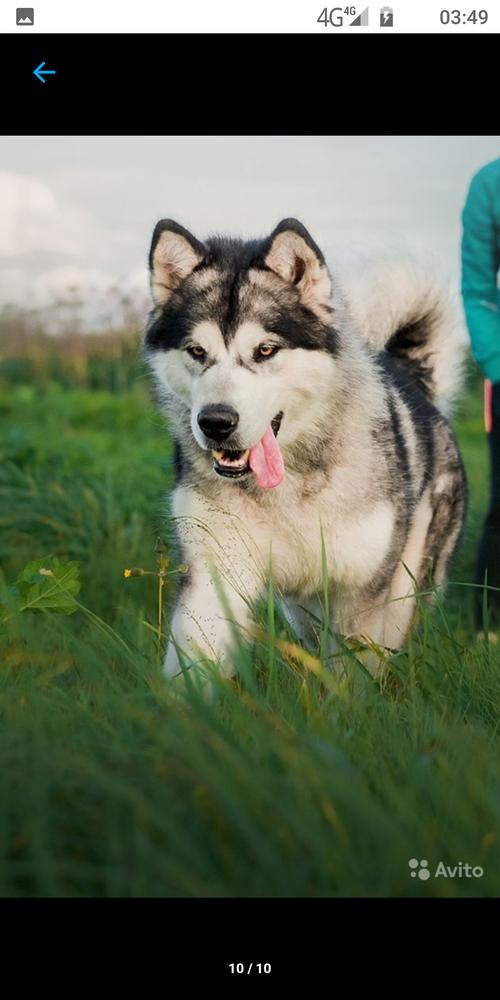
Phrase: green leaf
pixel 48 585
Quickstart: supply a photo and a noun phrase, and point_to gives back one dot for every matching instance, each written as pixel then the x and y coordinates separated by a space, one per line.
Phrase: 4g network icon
pixel 337 17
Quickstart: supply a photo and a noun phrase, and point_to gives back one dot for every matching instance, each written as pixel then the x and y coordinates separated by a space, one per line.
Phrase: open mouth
pixel 231 464
pixel 236 464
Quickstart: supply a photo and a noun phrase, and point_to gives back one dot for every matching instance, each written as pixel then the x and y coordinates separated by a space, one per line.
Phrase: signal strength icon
pixel 361 20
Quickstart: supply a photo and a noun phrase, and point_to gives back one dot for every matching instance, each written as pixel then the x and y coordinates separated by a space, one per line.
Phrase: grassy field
pixel 286 784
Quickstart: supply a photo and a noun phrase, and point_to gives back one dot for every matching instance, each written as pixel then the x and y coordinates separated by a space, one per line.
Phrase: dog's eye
pixel 265 351
pixel 197 352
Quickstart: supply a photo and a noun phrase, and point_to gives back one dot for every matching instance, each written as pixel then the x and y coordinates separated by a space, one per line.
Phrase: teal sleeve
pixel 480 265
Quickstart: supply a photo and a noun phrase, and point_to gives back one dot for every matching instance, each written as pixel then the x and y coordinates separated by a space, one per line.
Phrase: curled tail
pixel 400 307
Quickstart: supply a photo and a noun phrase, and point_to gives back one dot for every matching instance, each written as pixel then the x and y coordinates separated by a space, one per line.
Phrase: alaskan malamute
pixel 309 432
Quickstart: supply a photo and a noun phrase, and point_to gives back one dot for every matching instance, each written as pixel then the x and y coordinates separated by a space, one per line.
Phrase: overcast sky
pixel 80 211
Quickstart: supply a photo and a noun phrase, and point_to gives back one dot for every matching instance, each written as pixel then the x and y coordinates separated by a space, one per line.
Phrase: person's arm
pixel 480 265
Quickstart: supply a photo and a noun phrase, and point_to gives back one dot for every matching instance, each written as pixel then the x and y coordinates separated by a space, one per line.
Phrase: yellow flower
pixel 127 573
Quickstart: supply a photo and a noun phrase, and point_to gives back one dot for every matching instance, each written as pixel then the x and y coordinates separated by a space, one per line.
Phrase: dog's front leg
pixel 225 577
pixel 207 621
pixel 205 625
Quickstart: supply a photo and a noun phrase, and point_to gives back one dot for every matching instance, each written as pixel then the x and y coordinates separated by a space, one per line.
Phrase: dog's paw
pixel 194 680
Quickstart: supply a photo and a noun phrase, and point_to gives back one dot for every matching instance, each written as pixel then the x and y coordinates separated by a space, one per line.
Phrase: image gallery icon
pixel 386 17
pixel 25 15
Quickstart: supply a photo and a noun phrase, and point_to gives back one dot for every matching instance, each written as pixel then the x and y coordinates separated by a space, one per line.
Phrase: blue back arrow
pixel 41 73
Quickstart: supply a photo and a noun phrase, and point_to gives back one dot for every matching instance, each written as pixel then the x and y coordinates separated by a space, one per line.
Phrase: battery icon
pixel 386 17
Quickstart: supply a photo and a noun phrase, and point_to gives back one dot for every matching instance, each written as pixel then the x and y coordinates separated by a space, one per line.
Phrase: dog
pixel 311 437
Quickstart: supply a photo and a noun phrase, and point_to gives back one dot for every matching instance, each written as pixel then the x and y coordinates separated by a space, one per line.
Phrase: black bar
pixel 247 84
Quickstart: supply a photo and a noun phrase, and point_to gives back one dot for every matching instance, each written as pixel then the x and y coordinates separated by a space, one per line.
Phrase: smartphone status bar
pixel 259 17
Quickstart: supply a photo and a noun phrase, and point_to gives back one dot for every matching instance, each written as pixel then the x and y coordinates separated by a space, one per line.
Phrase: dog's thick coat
pixel 248 340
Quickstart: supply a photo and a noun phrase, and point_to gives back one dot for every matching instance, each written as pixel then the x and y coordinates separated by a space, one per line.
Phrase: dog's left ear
pixel 293 255
pixel 174 254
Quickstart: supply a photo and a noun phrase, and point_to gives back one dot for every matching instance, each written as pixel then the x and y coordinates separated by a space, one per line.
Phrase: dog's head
pixel 242 334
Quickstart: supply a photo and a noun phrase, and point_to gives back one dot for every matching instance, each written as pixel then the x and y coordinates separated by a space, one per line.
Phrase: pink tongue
pixel 266 461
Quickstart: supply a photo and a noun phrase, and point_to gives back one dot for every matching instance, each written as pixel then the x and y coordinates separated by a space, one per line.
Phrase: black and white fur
pixel 358 388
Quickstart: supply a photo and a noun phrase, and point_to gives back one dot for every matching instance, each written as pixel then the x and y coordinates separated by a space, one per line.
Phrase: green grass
pixel 284 785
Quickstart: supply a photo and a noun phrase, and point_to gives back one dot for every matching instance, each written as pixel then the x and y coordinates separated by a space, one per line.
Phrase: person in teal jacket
pixel 481 298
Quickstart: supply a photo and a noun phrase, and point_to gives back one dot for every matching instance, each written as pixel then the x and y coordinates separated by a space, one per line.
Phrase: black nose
pixel 218 421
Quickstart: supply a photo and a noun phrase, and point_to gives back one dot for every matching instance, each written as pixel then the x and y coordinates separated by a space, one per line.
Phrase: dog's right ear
pixel 293 255
pixel 174 254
